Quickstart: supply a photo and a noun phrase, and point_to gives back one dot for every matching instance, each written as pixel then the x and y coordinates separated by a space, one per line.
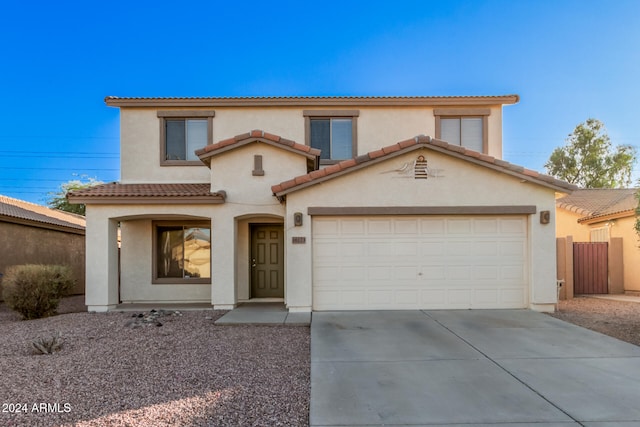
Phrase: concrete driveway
pixel 471 367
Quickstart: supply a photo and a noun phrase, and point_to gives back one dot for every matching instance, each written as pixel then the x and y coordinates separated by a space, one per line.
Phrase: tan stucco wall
pixel 22 244
pixel 461 184
pixel 377 127
pixel 140 152
pixel 567 225
pixel 249 200
pixel 137 270
pixel 623 227
pixel 102 290
pixel 232 172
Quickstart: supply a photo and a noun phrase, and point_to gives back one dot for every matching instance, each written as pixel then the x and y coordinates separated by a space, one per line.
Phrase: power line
pixel 60 169
pixel 34 179
pixel 29 188
pixel 56 137
pixel 59 152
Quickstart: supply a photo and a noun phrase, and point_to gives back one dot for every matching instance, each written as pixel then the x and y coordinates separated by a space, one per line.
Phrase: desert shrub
pixel 47 345
pixel 34 291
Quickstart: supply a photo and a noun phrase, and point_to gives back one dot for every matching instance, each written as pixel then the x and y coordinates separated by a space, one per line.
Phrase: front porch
pixel 246 313
pixel 264 313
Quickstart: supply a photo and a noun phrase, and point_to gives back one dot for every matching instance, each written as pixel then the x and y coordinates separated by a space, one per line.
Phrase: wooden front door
pixel 267 261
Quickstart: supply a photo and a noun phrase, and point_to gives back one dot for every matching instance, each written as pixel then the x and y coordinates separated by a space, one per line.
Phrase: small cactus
pixel 48 345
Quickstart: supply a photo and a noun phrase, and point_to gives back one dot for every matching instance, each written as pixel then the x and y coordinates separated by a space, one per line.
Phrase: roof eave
pixel 394 101
pixel 73 229
pixel 607 217
pixel 146 200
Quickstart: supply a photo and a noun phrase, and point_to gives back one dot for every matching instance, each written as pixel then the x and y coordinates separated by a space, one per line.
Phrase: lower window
pixel 182 253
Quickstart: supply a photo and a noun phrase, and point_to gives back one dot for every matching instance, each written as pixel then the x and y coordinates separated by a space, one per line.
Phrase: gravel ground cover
pixel 614 318
pixel 116 370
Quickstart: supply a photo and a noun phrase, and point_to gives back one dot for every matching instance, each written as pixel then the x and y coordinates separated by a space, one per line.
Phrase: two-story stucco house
pixel 324 203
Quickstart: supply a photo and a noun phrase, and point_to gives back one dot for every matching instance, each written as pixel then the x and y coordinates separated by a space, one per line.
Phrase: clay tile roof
pixel 421 141
pixel 18 210
pixel 147 193
pixel 209 151
pixel 599 202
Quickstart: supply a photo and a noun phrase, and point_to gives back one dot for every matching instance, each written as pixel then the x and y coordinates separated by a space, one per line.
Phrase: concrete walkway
pixel 264 314
pixel 471 367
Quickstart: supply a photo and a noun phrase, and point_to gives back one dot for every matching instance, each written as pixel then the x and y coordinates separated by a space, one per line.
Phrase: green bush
pixel 35 290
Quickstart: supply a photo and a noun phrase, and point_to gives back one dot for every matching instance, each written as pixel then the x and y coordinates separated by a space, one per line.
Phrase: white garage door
pixel 406 262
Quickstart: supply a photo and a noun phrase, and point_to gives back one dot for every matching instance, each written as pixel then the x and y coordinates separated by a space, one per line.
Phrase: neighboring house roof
pixel 21 212
pixel 598 203
pixel 237 141
pixel 147 194
pixel 301 101
pixel 421 141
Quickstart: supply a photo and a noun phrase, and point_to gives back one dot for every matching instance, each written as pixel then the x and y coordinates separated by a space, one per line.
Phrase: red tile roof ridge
pixel 254 135
pixel 409 144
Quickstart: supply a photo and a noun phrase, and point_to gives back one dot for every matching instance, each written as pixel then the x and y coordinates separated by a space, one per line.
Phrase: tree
pixel 590 161
pixel 58 199
pixel 638 210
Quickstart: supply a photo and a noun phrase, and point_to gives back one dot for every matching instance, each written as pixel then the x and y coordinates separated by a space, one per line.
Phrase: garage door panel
pixel 405 226
pixel 486 272
pixel 485 248
pixel 512 273
pixel 352 227
pixel 327 228
pixel 405 248
pixel 513 296
pixel 419 263
pixel 512 248
pixel 379 273
pixel 380 226
pixel 432 273
pixel 432 226
pixel 432 248
pixel 486 297
pixel 458 226
pixel 458 272
pixel 485 226
pixel 513 226
pixel 458 248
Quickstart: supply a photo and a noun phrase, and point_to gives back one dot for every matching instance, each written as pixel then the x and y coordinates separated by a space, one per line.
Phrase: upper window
pixel 184 137
pixel 464 131
pixel 182 253
pixel 464 127
pixel 333 133
pixel 182 133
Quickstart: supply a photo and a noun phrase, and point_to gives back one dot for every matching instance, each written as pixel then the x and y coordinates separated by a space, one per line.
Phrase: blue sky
pixel 568 61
